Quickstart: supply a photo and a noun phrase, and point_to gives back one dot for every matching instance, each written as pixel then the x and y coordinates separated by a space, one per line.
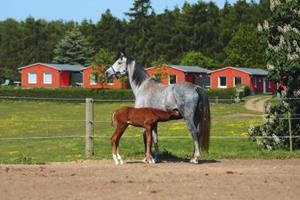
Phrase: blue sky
pixel 78 10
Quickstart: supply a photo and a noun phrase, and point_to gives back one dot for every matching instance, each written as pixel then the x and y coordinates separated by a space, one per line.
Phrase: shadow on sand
pixel 167 157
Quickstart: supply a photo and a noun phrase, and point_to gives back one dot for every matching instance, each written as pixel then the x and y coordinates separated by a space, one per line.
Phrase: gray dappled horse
pixel 189 99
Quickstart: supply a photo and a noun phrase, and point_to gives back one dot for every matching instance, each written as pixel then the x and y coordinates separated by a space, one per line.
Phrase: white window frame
pixel 92 79
pixel 45 81
pixel 234 83
pixel 32 79
pixel 219 82
pixel 170 78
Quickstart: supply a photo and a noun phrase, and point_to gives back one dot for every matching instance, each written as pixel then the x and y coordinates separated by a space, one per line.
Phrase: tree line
pixel 219 36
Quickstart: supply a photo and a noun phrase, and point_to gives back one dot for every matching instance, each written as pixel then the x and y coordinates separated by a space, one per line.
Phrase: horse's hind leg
pixel 195 135
pixel 155 142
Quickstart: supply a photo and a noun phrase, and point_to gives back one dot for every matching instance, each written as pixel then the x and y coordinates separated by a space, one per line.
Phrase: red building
pixel 50 75
pixel 63 75
pixel 177 73
pixel 90 79
pixel 229 77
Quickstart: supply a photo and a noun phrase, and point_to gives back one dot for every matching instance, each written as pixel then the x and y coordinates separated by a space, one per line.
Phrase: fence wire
pixel 37 121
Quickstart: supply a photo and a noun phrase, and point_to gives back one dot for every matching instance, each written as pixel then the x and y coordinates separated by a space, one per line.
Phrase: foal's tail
pixel 113 124
pixel 205 122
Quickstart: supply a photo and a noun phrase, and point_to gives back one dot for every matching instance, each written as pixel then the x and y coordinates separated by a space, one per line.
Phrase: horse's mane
pixel 139 75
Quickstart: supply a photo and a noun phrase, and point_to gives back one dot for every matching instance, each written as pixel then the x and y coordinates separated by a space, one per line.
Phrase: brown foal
pixel 139 117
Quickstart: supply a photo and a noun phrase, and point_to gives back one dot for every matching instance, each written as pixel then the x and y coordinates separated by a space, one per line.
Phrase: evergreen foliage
pixel 197 59
pixel 73 49
pixel 145 36
pixel 246 48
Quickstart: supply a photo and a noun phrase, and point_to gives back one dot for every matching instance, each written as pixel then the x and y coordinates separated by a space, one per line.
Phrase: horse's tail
pixel 205 122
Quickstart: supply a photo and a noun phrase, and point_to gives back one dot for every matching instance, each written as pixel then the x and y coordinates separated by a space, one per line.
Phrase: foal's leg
pixel 115 139
pixel 149 158
pixel 123 128
pixel 155 142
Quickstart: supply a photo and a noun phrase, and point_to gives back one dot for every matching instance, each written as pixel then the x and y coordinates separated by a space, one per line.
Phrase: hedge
pixel 81 93
pixel 72 93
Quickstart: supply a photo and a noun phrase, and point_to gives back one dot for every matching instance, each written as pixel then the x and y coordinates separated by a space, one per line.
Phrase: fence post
pixel 217 100
pixel 290 131
pixel 89 124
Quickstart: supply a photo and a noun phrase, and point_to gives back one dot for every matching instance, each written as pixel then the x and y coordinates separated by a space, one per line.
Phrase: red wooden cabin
pixel 229 77
pixel 90 79
pixel 50 75
pixel 178 73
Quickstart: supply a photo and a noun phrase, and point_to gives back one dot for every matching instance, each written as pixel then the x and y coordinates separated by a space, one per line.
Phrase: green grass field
pixel 30 132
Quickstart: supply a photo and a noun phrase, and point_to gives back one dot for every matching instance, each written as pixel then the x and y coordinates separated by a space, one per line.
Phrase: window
pixel 222 82
pixel 237 80
pixel 255 82
pixel 47 78
pixel 110 81
pixel 93 79
pixel 32 77
pixel 172 79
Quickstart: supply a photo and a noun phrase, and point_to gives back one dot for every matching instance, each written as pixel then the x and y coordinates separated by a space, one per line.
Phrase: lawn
pixel 40 132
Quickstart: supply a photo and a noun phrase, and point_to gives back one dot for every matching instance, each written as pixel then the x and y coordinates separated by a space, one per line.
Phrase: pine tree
pixel 73 49
pixel 140 33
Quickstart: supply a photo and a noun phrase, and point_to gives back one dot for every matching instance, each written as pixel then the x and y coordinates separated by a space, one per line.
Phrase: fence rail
pixel 89 122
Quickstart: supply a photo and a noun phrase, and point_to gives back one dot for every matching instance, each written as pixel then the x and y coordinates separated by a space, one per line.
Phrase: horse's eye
pixel 119 63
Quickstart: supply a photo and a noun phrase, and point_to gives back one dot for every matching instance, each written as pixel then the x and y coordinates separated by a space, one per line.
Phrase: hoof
pixel 194 160
pixel 118 160
pixel 149 161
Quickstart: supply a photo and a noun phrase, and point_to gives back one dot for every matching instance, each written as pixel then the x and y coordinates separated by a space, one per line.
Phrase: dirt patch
pixel 222 179
pixel 257 104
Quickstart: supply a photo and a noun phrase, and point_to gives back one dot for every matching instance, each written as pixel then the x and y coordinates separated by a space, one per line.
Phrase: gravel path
pixel 220 179
pixel 257 104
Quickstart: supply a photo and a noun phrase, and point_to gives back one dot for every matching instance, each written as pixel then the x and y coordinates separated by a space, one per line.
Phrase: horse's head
pixel 119 68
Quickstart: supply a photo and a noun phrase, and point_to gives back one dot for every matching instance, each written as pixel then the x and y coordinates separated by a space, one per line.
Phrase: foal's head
pixel 174 114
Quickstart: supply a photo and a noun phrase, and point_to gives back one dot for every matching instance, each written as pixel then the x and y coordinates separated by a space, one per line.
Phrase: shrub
pixel 101 94
pixel 221 93
pixel 80 93
pixel 241 91
pixel 274 133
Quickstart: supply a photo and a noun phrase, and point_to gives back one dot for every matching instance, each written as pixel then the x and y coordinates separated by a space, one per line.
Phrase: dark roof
pixel 60 67
pixel 188 69
pixel 250 71
pixel 193 69
pixel 253 71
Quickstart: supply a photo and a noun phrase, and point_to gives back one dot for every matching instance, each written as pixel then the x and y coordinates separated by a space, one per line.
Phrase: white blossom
pixel 259 27
pixel 270 67
pixel 266 25
pixel 292 56
pixel 276 138
pixel 274 3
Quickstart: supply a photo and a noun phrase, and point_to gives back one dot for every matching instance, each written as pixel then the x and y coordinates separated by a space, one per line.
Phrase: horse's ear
pixel 122 54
